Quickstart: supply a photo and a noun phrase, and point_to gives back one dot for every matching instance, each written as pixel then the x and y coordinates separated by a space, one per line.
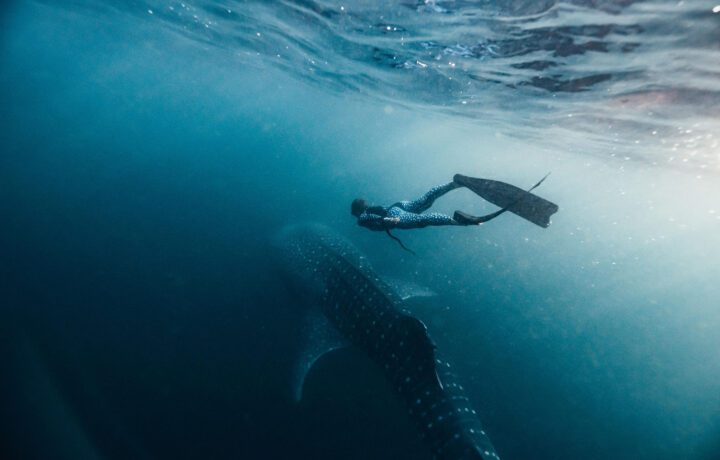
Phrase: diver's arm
pixel 377 210
pixel 372 221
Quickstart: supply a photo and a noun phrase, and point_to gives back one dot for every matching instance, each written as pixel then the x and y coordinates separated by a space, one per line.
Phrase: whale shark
pixel 348 304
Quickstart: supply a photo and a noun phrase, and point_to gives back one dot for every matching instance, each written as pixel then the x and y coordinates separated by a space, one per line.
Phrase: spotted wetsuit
pixel 408 212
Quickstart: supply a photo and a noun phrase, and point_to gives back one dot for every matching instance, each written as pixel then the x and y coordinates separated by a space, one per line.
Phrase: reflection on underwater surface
pixel 149 149
pixel 563 64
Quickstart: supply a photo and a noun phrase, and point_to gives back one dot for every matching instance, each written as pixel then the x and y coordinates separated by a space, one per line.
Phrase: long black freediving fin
pixel 518 201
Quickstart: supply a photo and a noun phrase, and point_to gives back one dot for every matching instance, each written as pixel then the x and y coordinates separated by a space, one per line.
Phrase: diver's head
pixel 358 206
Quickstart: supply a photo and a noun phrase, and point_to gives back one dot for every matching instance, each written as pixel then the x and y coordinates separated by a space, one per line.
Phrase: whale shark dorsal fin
pixel 438 380
pixel 407 289
pixel 320 338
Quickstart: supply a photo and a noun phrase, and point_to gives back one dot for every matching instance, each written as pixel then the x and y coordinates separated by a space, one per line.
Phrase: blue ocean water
pixel 151 149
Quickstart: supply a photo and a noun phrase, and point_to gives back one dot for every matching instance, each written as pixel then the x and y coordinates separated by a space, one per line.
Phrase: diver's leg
pixel 425 220
pixel 424 202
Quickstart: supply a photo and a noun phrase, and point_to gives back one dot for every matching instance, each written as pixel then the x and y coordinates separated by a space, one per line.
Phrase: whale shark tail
pixel 511 198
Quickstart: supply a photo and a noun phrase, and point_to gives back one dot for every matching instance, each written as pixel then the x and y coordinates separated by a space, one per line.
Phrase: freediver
pixel 409 214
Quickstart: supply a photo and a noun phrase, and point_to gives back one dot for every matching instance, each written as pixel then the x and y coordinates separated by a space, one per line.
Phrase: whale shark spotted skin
pixel 334 277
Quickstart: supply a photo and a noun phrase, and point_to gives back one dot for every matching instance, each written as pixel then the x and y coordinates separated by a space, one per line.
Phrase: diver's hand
pixel 391 220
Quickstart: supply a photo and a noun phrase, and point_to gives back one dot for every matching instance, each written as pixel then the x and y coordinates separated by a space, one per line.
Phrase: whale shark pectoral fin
pixel 320 338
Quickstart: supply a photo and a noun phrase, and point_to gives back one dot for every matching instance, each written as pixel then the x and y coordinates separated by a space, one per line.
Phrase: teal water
pixel 151 149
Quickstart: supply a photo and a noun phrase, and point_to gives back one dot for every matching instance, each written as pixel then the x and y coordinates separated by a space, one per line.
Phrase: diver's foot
pixel 465 219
